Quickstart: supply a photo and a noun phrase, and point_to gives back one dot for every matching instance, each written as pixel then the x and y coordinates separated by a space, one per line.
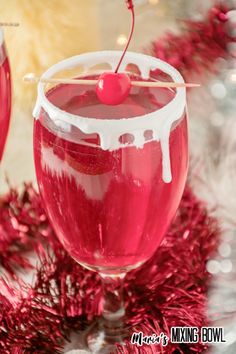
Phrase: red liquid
pixel 109 209
pixel 5 98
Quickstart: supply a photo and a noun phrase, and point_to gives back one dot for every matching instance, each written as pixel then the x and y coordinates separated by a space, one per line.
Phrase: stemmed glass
pixel 5 94
pixel 111 177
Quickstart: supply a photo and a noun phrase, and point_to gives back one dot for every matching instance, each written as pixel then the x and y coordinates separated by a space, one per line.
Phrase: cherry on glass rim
pixel 113 88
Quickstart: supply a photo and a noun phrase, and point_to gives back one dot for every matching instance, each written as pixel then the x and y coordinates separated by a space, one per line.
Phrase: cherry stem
pixel 131 8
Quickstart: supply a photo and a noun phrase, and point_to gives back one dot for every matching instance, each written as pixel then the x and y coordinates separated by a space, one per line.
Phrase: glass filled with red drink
pixel 5 94
pixel 111 177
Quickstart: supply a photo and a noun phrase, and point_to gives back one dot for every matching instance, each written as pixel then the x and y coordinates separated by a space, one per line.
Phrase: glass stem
pixel 113 301
pixel 110 328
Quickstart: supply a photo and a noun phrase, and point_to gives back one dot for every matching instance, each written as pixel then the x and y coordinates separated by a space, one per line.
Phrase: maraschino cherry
pixel 112 87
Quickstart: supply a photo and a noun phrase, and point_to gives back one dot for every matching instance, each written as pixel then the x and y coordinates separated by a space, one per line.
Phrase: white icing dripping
pixel 95 187
pixel 63 125
pixel 110 130
pixel 165 148
pixel 145 72
pixel 139 138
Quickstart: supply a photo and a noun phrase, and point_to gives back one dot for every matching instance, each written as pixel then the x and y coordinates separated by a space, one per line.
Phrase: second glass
pixel 5 94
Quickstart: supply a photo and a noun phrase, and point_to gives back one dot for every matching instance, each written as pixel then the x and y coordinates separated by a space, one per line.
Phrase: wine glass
pixel 5 94
pixel 111 177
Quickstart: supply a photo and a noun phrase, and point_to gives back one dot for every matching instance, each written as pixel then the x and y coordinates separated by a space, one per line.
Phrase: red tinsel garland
pixel 200 43
pixel 168 290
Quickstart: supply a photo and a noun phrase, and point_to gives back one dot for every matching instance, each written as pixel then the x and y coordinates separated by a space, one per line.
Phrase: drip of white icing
pixel 110 130
pixel 165 148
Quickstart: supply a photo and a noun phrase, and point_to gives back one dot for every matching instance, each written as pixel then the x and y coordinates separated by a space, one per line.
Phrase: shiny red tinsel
pixel 199 44
pixel 168 290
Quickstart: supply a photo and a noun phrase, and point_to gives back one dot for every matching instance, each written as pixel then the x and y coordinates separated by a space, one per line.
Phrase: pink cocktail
pixel 111 177
pixel 5 94
pixel 108 208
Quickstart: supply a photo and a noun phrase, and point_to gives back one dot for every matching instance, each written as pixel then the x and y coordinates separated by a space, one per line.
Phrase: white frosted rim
pixel 90 59
pixel 110 130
